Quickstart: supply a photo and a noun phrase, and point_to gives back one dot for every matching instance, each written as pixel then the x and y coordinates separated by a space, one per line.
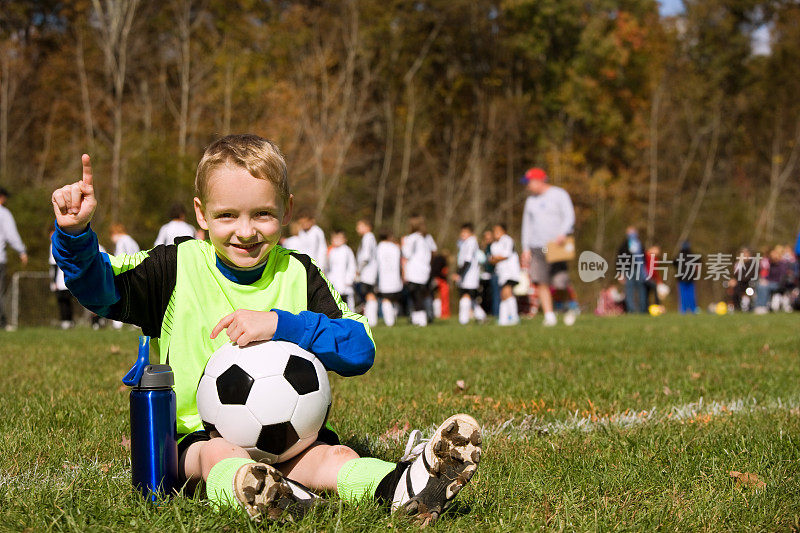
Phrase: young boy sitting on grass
pixel 194 296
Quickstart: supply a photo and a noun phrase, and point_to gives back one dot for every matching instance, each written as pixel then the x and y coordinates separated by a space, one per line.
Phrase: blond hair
pixel 258 156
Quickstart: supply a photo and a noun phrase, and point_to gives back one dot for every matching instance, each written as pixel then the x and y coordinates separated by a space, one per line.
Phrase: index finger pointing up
pixel 87 169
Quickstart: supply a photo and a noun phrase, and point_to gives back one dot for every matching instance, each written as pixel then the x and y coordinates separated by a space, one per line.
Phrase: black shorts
pixel 472 293
pixel 394 297
pixel 418 292
pixel 326 435
pixel 367 288
pixel 511 283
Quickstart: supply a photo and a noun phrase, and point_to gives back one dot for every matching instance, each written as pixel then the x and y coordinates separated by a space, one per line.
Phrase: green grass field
pixel 630 423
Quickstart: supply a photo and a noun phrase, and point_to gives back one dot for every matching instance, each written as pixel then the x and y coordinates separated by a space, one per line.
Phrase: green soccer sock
pixel 219 485
pixel 359 478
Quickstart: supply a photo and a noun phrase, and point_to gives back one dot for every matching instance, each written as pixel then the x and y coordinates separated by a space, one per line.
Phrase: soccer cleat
pixel 439 468
pixel 570 317
pixel 265 493
pixel 550 320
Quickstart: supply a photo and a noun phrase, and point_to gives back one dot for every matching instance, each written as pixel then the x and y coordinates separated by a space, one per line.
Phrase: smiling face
pixel 243 216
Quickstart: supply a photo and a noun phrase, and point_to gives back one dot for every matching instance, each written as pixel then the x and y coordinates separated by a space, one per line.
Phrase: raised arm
pixel 87 273
pixel 92 276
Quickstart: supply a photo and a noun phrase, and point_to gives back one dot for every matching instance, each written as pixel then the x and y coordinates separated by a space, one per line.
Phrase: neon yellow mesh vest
pixel 202 296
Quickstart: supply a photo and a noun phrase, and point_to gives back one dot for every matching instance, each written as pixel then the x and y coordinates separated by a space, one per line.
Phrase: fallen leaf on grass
pixel 747 479
pixel 667 391
pixel 125 443
pixel 765 348
pixel 461 384
pixel 114 349
pixel 395 432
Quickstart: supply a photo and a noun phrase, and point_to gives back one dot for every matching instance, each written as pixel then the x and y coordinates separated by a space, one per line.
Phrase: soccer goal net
pixel 30 302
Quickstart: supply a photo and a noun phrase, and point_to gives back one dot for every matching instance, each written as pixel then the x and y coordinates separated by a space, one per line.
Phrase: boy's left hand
pixel 245 326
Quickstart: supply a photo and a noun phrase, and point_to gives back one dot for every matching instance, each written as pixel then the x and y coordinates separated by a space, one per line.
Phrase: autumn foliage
pixel 388 108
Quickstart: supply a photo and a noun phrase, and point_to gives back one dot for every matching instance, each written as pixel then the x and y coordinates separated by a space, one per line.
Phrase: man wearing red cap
pixel 548 216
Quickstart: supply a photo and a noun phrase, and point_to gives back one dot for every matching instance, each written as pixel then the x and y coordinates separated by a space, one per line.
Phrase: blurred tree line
pixel 389 108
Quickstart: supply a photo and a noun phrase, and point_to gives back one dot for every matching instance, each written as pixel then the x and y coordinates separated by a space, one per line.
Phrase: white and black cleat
pixel 442 467
pixel 265 493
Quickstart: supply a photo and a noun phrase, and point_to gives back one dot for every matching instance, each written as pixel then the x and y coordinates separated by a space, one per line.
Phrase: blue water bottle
pixel 154 448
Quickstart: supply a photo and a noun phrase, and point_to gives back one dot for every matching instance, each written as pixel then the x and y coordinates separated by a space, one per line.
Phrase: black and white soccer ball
pixel 271 398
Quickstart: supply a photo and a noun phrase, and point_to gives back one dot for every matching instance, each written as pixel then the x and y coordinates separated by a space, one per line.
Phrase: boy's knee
pixel 341 453
pixel 217 449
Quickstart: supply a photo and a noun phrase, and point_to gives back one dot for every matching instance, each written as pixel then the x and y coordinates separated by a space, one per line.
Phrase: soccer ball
pixel 271 398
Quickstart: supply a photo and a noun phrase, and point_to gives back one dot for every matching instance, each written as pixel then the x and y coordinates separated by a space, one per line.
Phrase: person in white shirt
pixel 417 248
pixel 176 227
pixel 341 267
pixel 292 242
pixel 367 269
pixel 8 235
pixel 311 239
pixel 124 244
pixel 390 280
pixel 506 268
pixel 468 276
pixel 548 216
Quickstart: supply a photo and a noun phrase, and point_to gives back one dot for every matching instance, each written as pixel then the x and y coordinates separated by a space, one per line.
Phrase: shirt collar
pixel 241 276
